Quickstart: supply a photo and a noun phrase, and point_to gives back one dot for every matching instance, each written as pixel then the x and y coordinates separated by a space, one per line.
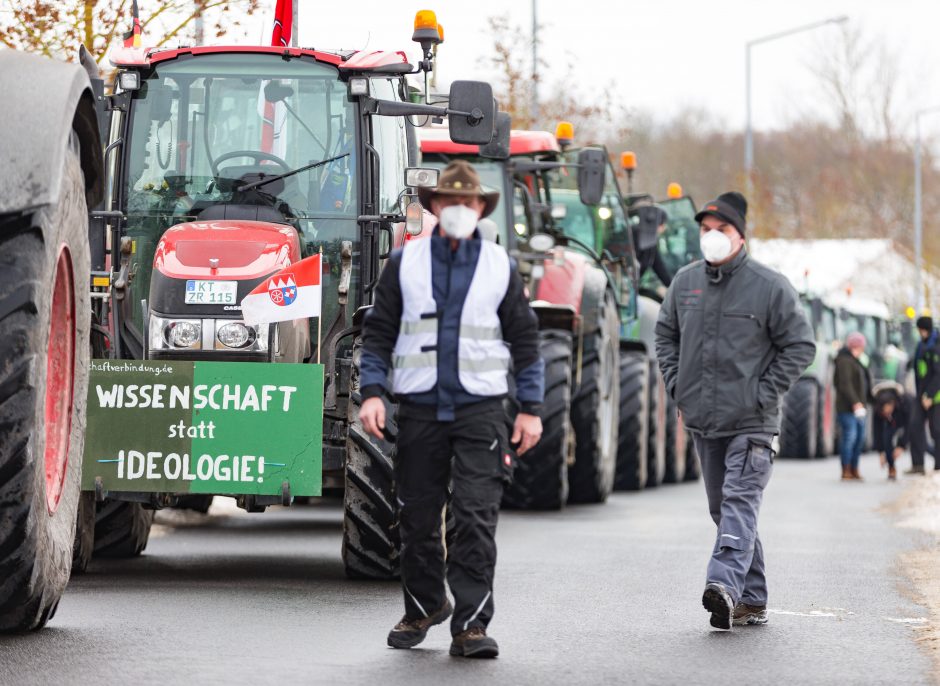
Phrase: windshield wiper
pixel 268 179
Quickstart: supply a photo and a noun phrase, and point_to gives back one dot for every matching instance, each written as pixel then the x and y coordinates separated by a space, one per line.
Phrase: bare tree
pixel 559 99
pixel 56 28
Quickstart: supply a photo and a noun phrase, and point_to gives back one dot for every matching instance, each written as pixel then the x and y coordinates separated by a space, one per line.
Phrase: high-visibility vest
pixel 483 356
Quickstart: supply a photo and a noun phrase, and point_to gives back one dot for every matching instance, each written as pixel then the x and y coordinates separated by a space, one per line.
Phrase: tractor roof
pixel 437 139
pixel 350 61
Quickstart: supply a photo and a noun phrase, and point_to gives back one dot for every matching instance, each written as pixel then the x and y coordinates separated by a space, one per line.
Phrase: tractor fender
pixel 563 280
pixel 46 100
pixel 595 285
pixel 556 317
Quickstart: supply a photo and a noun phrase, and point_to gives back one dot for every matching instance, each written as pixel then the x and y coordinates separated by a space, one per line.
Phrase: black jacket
pixel 851 382
pixel 927 367
pixel 891 433
pixel 731 341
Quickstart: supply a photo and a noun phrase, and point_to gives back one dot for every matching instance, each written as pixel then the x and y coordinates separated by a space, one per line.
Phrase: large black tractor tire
pixel 800 414
pixel 633 432
pixel 595 409
pixel 84 545
pixel 370 521
pixel 540 479
pixel 675 457
pixel 122 529
pixel 656 448
pixel 45 316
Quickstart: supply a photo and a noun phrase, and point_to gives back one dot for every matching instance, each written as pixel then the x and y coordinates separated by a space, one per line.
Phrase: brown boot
pixel 892 474
pixel 855 475
pixel 846 473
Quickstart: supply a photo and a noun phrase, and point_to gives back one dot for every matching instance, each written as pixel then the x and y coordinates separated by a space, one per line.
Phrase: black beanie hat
pixel 730 207
pixel 925 324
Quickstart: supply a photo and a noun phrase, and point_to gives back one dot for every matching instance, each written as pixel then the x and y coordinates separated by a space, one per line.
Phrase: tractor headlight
pixel 235 335
pixel 167 335
pixel 183 333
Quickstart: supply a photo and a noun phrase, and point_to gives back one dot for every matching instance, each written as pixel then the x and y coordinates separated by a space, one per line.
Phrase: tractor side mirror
pixel 592 173
pixel 471 112
pixel 498 148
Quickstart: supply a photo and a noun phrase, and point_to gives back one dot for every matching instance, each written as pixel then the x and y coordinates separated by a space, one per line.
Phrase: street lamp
pixel 749 134
pixel 919 210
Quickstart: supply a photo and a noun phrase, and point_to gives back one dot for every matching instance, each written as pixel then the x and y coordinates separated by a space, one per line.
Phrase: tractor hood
pixel 226 250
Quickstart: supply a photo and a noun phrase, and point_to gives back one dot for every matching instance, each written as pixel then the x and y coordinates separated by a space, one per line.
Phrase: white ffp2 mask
pixel 458 221
pixel 716 246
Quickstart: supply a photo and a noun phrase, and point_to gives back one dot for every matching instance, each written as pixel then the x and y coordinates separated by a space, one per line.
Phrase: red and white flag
pixel 292 293
pixel 274 114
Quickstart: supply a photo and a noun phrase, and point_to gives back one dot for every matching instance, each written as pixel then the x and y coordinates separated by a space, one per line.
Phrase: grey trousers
pixel 735 471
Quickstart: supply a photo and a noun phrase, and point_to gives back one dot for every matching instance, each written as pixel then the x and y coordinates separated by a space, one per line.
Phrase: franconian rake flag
pixel 292 293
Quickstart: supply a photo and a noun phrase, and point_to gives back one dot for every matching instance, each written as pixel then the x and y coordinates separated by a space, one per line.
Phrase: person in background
pixel 890 419
pixel 926 409
pixel 852 389
pixel 646 241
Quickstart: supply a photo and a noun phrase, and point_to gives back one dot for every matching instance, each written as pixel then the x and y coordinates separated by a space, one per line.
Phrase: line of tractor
pixel 151 206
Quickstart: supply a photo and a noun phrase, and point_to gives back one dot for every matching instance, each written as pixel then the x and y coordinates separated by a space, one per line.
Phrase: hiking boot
pixel 410 632
pixel 474 643
pixel 915 470
pixel 718 601
pixel 745 614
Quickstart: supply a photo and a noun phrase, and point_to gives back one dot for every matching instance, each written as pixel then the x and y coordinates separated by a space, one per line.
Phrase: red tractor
pixel 207 195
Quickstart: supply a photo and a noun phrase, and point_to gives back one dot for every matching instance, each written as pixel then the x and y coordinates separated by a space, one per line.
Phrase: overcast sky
pixel 659 55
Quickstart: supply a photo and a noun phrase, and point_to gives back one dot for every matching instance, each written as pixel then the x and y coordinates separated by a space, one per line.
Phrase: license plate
pixel 211 292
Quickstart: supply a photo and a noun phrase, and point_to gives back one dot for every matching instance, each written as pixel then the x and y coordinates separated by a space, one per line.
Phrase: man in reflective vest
pixel 449 322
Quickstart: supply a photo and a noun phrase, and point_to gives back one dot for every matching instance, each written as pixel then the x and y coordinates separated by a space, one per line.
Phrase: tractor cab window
pixel 602 226
pixel 205 130
pixel 828 324
pixel 810 316
pixel 391 143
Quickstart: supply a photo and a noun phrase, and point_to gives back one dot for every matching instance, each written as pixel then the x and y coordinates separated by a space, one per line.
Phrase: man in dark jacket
pixel 731 340
pixel 926 406
pixel 449 321
pixel 852 385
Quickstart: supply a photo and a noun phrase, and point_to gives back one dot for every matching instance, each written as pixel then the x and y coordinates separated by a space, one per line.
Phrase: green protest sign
pixel 204 427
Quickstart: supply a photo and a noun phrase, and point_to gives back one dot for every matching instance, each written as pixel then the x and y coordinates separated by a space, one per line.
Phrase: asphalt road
pixel 591 595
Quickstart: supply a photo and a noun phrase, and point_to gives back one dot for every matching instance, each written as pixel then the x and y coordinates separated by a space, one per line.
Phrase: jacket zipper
pixel 741 315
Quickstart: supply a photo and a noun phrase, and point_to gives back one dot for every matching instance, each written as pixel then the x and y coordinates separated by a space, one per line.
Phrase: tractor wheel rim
pixel 60 378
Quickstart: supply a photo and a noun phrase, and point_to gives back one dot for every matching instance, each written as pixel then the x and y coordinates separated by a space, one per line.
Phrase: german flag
pixel 132 37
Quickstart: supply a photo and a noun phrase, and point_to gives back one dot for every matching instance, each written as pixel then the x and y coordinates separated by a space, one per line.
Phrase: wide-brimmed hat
pixel 460 178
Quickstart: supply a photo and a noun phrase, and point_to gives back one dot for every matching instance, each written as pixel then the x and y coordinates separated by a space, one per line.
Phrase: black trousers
pixel 919 417
pixel 471 455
